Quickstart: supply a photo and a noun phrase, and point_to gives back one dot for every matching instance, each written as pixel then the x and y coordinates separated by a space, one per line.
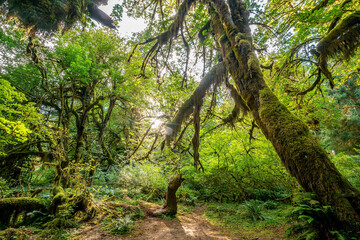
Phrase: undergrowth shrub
pixel 142 181
pixel 43 176
pixel 269 194
pixel 123 225
pixel 311 220
pixel 254 209
pixel 349 166
pixel 187 196
pixel 270 204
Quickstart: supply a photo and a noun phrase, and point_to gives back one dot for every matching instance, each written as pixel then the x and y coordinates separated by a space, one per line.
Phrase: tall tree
pixel 301 153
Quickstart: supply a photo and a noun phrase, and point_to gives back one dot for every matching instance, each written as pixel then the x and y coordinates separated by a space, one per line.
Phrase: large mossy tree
pixel 227 24
pixel 301 153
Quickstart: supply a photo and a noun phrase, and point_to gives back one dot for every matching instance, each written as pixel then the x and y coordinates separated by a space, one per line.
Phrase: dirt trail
pixel 187 226
pixel 190 226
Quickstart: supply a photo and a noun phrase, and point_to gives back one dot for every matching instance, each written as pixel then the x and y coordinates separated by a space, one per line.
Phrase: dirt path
pixel 190 226
pixel 187 226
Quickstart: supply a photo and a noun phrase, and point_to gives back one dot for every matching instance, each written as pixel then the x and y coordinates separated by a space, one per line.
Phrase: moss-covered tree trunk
pixel 170 205
pixel 299 151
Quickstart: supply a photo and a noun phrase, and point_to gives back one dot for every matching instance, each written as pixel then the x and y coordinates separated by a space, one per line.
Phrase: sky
pixel 128 25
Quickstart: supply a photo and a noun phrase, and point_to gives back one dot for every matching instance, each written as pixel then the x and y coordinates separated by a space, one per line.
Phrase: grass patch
pixel 250 220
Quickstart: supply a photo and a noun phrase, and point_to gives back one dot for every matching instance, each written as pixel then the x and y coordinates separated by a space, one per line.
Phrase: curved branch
pixel 344 39
pixel 171 33
pixel 100 16
pixel 217 74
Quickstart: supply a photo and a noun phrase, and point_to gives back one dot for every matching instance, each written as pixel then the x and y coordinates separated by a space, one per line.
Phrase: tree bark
pixel 170 205
pixel 299 151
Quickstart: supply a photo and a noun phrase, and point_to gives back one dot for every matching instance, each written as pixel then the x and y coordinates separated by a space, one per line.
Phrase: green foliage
pixel 269 194
pixel 122 225
pixel 237 172
pixel 341 134
pixel 235 217
pixel 12 234
pixel 144 181
pixel 312 220
pixel 349 166
pixel 4 186
pixel 117 12
pixel 254 210
pixel 15 116
pixel 187 196
pixel 270 204
pixel 43 176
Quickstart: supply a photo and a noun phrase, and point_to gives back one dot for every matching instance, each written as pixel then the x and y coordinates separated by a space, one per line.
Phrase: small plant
pixel 138 214
pixel 254 209
pixel 270 204
pixel 187 196
pixel 314 221
pixel 123 225
pixel 266 194
pixel 4 187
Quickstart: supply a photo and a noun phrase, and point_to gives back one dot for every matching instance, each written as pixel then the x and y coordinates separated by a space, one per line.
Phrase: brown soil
pixel 190 226
pixel 186 226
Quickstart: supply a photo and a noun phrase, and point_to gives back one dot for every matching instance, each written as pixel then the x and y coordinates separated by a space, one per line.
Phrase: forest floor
pixel 187 225
pixel 201 222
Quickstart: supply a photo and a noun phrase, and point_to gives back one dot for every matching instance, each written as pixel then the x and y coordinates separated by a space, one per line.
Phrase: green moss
pixel 223 38
pixel 12 233
pixel 243 36
pixel 11 208
pixel 58 199
pixel 344 40
pixel 290 135
pixel 56 190
pixel 48 15
pixel 253 64
pixel 244 44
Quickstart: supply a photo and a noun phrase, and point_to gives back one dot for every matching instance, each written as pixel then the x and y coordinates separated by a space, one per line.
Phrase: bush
pixel 266 194
pixel 43 177
pixel 187 196
pixel 314 221
pixel 143 181
pixel 270 204
pixel 123 225
pixel 254 209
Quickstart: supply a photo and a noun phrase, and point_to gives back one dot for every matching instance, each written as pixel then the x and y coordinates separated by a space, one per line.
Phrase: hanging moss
pixel 52 15
pixel 344 39
pixel 215 76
